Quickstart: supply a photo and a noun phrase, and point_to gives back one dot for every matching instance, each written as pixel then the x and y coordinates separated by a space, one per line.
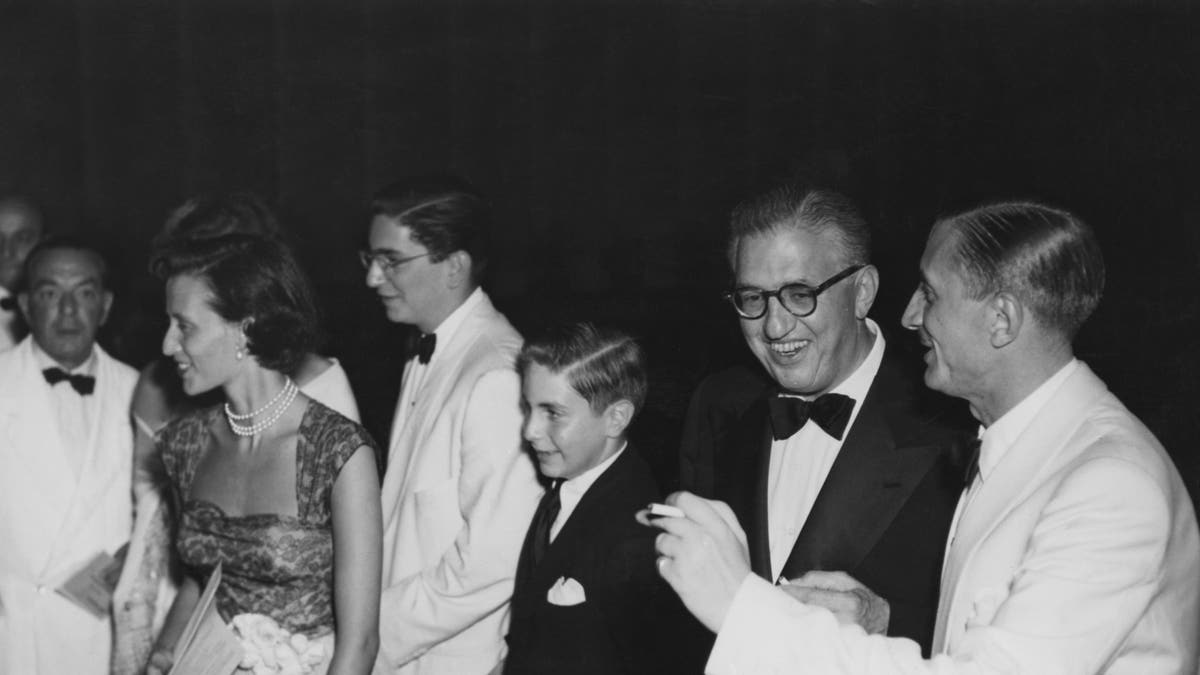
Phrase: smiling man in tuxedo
pixel 1075 546
pixel 66 448
pixel 840 463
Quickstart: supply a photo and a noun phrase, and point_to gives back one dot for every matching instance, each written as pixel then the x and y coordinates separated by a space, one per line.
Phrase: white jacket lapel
pixel 108 456
pixel 1036 452
pixel 34 474
pixel 405 454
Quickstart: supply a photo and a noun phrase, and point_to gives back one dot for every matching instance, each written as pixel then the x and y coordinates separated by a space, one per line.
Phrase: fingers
pixel 700 510
pixel 644 518
pixel 838 602
pixel 837 581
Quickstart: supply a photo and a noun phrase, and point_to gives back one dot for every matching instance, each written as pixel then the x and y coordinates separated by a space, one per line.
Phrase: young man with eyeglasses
pixel 459 490
pixel 842 469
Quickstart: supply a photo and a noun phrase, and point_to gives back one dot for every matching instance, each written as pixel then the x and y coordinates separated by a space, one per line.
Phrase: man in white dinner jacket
pixel 65 464
pixel 459 490
pixel 1075 545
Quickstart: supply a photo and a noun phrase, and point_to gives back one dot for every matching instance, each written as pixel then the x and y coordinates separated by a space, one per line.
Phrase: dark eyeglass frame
pixel 388 265
pixel 812 293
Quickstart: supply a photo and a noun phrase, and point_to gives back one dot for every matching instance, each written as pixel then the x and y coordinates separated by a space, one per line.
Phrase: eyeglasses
pixel 799 299
pixel 387 262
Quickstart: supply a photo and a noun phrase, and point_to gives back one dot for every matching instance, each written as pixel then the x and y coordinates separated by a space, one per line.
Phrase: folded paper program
pixel 566 592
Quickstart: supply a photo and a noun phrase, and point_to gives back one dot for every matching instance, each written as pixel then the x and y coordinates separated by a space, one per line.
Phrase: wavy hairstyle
pixel 1048 258
pixel 444 213
pixel 795 206
pixel 216 215
pixel 255 280
pixel 603 365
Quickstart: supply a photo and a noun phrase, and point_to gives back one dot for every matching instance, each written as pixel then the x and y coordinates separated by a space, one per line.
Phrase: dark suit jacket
pixel 627 621
pixel 884 511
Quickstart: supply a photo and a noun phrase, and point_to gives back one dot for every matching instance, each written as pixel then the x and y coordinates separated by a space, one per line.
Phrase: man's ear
pixel 866 285
pixel 106 306
pixel 458 269
pixel 1007 318
pixel 617 417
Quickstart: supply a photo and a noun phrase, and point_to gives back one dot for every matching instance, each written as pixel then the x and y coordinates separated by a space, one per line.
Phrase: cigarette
pixel 657 509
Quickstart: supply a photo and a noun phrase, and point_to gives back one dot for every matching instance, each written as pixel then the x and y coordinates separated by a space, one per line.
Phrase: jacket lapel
pixel 1035 452
pixel 107 457
pixel 32 463
pixel 405 456
pixel 34 430
pixel 744 463
pixel 868 483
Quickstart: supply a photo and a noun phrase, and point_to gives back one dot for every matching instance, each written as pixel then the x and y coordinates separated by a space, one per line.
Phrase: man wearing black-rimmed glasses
pixel 842 470
pixel 459 490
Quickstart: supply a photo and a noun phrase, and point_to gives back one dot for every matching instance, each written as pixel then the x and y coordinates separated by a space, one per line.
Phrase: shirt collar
pixel 859 382
pixel 44 361
pixel 576 487
pixel 446 329
pixel 997 439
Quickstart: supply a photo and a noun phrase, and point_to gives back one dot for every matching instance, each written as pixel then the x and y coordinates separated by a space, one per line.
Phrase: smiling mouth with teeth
pixel 788 348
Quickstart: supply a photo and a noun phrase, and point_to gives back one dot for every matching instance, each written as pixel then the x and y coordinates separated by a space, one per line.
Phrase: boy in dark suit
pixel 587 597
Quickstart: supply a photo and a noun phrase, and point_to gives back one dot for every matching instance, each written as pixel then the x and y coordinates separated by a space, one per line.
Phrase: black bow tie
pixel 788 413
pixel 8 303
pixel 425 346
pixel 84 384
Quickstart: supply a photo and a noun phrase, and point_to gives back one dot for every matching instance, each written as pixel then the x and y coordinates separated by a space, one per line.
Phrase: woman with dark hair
pixel 149 579
pixel 276 487
pixel 158 396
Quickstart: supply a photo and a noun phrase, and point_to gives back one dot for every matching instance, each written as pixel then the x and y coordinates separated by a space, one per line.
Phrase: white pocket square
pixel 566 592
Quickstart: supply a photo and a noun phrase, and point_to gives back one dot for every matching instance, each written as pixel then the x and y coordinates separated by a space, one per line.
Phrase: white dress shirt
pixel 800 464
pixel 572 490
pixel 75 412
pixel 414 370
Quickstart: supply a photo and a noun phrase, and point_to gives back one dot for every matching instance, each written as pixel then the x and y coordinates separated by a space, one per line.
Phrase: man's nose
pixel 67 304
pixel 374 274
pixel 169 343
pixel 778 322
pixel 911 318
pixel 531 430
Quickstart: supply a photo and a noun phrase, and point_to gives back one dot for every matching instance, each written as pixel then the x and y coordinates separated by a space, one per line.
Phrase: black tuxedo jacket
pixel 629 619
pixel 884 511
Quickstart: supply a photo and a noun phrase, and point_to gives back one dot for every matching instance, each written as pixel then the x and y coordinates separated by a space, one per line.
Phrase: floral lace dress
pixel 277 565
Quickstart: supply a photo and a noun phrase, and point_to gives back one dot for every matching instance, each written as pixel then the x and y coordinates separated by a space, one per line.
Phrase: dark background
pixel 613 138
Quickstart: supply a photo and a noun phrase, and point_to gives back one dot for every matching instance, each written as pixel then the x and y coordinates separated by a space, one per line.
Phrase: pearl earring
pixel 239 354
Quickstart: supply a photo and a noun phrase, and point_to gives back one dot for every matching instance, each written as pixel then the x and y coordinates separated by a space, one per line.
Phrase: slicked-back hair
pixel 57 242
pixel 1048 258
pixel 795 206
pixel 444 213
pixel 209 216
pixel 252 278
pixel 603 365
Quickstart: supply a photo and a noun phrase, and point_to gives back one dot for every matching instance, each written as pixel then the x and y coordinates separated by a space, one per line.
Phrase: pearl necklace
pixel 284 397
pixel 251 415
